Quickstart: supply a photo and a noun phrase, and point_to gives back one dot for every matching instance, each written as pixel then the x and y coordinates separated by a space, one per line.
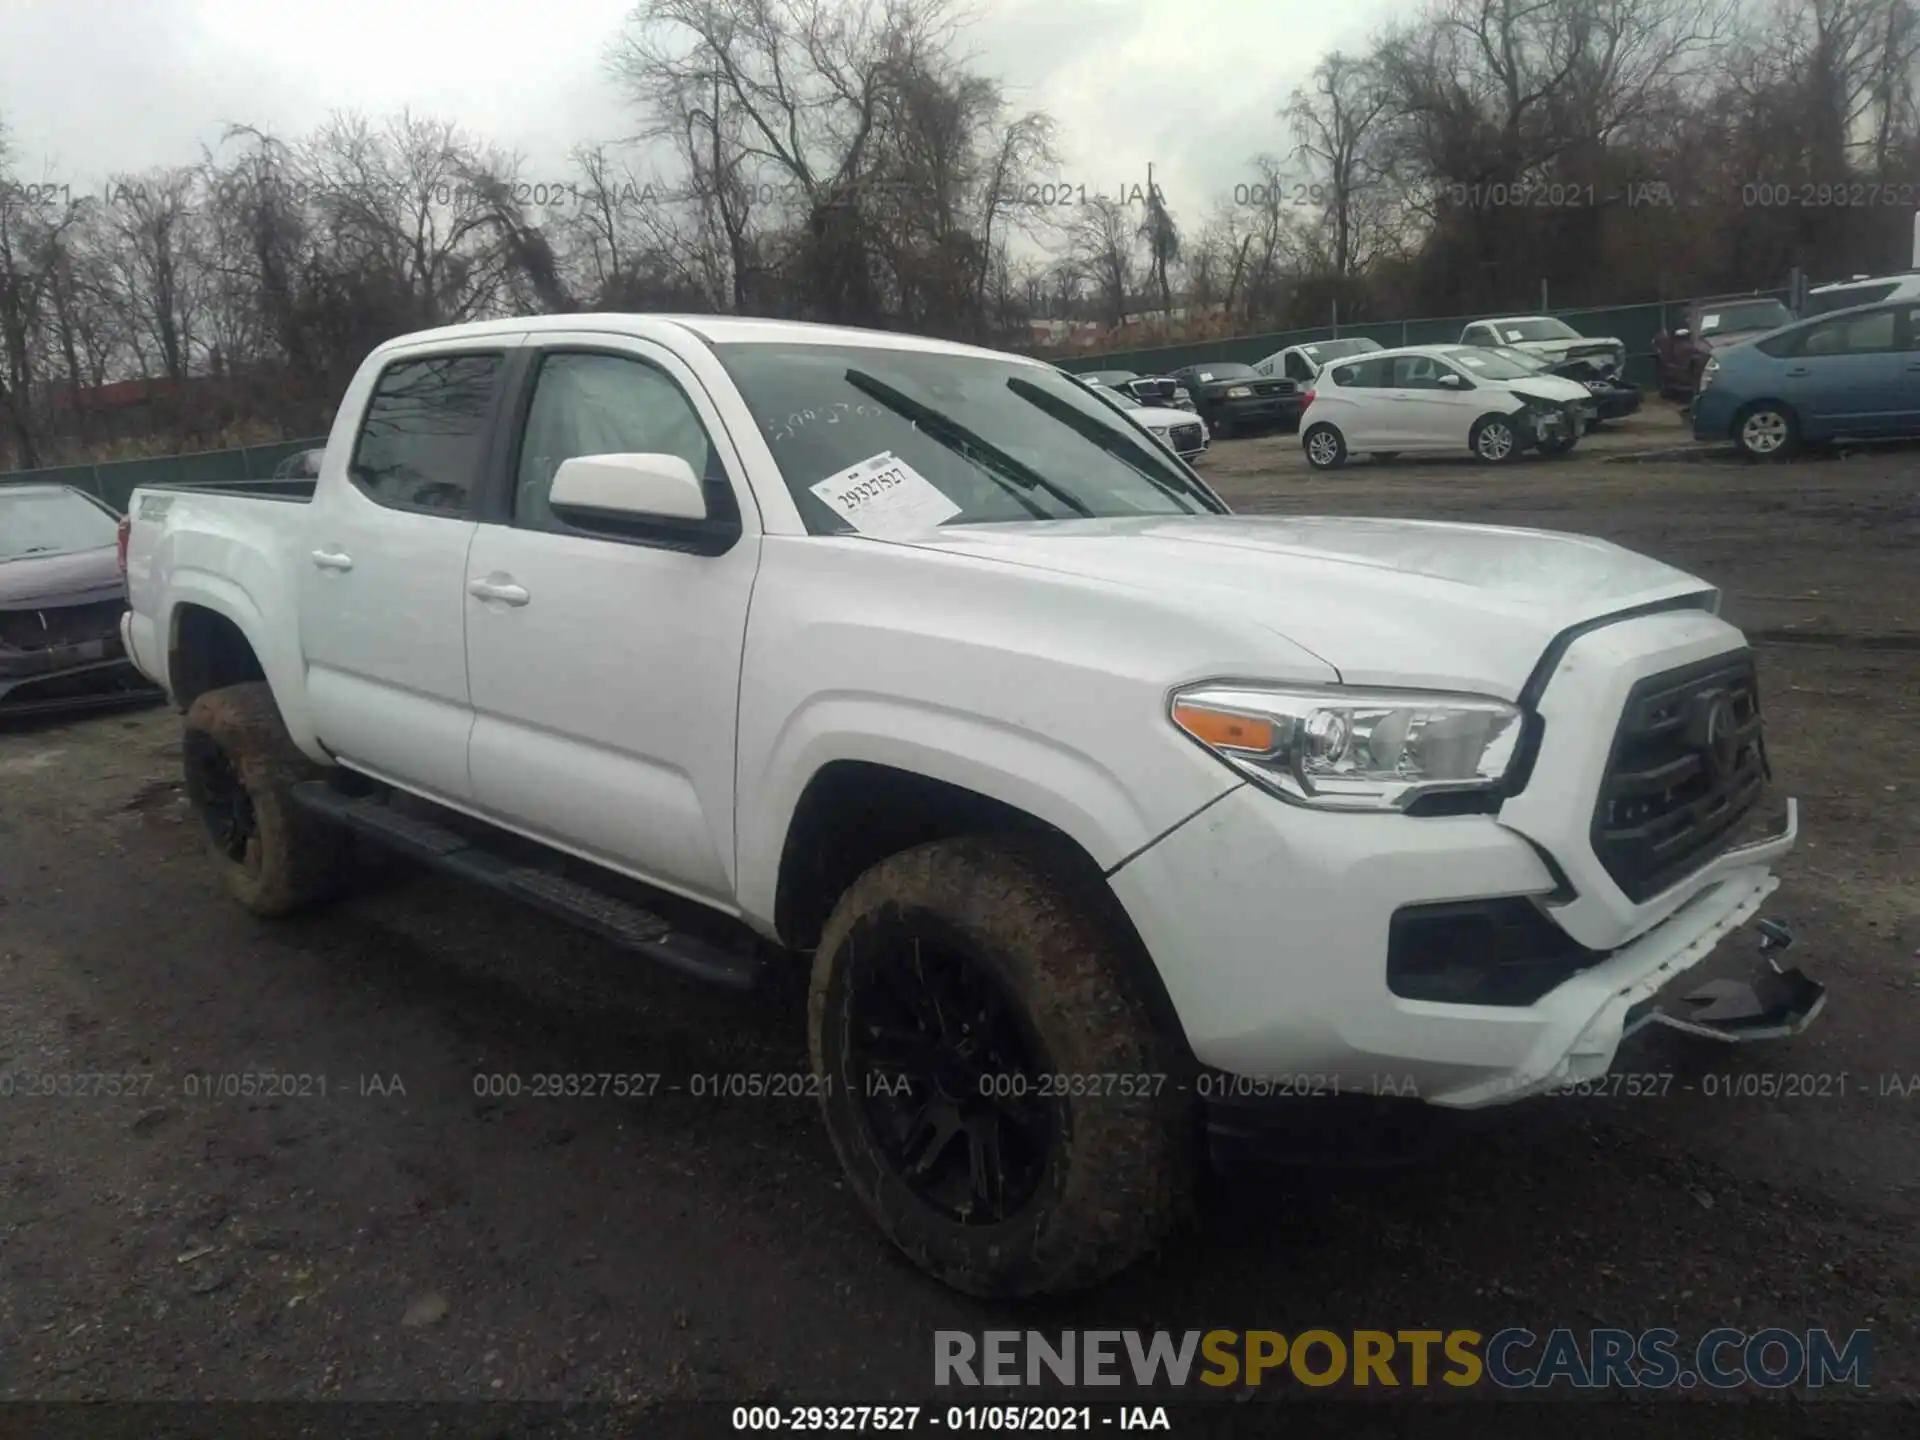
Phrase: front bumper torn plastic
pixel 1776 1003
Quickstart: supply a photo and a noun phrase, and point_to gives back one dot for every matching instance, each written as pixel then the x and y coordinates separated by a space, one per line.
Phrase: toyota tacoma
pixel 918 675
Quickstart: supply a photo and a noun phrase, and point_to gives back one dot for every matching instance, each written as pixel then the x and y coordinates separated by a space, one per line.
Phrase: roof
pixel 715 329
pixel 1515 320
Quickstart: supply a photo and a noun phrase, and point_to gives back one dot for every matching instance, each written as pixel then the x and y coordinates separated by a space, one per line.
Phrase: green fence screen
pixel 115 480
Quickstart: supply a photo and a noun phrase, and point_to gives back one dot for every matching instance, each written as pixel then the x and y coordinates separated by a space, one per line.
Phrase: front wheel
pixel 1766 431
pixel 997 1090
pixel 1495 440
pixel 1325 448
pixel 240 763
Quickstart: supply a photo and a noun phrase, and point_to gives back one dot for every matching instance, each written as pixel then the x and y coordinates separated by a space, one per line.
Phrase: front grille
pixel 57 625
pixel 1688 762
pixel 1186 437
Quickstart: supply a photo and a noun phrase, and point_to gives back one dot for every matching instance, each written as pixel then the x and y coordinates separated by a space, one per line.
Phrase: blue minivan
pixel 1854 374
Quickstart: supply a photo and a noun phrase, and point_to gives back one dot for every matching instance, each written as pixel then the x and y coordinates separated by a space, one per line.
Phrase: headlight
pixel 1708 371
pixel 1238 392
pixel 1337 749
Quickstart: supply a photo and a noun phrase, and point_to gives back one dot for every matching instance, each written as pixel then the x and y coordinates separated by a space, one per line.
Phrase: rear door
pixel 382 570
pixel 1366 409
pixel 606 682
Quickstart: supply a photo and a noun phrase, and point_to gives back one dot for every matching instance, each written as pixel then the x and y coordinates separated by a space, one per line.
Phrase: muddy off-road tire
pixel 240 763
pixel 1000 1096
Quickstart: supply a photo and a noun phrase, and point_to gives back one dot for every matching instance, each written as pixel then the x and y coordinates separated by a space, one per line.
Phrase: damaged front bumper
pixel 1776 1003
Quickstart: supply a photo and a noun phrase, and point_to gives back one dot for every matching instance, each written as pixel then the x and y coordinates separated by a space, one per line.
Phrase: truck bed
pixel 298 492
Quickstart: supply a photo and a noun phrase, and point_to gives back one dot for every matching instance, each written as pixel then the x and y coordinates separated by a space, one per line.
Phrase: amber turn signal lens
pixel 1224 730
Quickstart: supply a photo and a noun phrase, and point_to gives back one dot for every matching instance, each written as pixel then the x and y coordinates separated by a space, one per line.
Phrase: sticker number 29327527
pixel 884 496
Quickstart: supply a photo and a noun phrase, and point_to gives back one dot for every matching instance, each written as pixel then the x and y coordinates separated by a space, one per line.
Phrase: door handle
pixel 506 592
pixel 332 560
pixel 1799 370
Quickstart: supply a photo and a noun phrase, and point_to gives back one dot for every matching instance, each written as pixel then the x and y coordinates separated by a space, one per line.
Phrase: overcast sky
pixel 93 87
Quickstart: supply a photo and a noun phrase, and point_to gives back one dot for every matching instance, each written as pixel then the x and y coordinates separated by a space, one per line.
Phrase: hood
pixel 1162 419
pixel 79 577
pixel 1384 602
pixel 1557 388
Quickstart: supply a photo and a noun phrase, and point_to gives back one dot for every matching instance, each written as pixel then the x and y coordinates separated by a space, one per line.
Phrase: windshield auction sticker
pixel 885 497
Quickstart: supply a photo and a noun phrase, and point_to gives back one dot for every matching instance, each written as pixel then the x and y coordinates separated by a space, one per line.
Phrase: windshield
pixel 1763 315
pixel 1225 370
pixel 948 439
pixel 1489 364
pixel 1541 329
pixel 1320 352
pixel 1529 363
pixel 51 522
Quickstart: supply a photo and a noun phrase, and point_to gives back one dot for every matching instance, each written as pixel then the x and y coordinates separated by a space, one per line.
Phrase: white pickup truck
pixel 1106 819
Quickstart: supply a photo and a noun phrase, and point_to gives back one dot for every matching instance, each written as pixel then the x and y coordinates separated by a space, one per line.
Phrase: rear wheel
pixel 1326 449
pixel 958 989
pixel 1495 440
pixel 240 764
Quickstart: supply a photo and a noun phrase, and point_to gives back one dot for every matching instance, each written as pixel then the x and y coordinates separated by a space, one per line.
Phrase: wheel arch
pixel 854 813
pixel 215 635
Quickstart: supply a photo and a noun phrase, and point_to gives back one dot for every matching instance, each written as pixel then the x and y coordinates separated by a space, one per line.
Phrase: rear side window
pixel 1365 375
pixel 424 440
pixel 1869 334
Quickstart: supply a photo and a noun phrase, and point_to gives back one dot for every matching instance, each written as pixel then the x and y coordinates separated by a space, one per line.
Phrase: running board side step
pixel 618 921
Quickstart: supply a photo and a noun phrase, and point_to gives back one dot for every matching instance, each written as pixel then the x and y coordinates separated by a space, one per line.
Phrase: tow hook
pixel 1777 1002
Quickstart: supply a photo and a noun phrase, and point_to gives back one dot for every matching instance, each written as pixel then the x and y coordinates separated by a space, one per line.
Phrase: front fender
pixel 1109 816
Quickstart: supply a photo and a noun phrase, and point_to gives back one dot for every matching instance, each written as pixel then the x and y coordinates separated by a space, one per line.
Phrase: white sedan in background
pixel 1181 431
pixel 1440 398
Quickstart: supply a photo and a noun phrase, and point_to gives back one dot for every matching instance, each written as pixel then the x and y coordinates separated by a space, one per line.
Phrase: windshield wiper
pixel 994 462
pixel 1099 434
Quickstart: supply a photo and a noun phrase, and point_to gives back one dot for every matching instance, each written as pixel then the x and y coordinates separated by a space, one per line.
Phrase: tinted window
pixel 1846 299
pixel 1298 368
pixel 424 440
pixel 608 405
pixel 51 522
pixel 1869 334
pixel 1417 372
pixel 1366 375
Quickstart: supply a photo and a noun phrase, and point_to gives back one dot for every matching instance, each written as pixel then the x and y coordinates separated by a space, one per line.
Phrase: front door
pixel 1847 376
pixel 606 681
pixel 380 571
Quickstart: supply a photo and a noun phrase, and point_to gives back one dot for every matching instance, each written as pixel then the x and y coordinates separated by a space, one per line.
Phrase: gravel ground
pixel 400 1237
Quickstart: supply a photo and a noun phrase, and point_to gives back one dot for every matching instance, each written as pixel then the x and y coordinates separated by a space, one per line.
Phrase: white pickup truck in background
pixel 1104 818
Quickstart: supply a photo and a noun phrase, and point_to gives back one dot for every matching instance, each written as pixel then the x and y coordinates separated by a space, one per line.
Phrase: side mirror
pixel 1452 381
pixel 1681 332
pixel 598 488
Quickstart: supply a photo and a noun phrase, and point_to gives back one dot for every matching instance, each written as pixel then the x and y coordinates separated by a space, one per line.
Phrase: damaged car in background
pixel 1181 431
pixel 1151 390
pixel 1613 395
pixel 1552 341
pixel 62 593
pixel 1441 399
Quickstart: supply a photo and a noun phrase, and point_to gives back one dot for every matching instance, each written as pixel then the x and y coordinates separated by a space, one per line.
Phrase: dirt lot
pixel 402 1238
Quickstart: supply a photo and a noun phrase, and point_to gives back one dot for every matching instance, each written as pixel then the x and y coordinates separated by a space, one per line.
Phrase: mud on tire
pixel 1092 1132
pixel 273 857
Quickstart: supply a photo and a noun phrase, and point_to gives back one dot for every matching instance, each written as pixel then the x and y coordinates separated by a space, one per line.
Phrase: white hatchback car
pixel 1444 398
